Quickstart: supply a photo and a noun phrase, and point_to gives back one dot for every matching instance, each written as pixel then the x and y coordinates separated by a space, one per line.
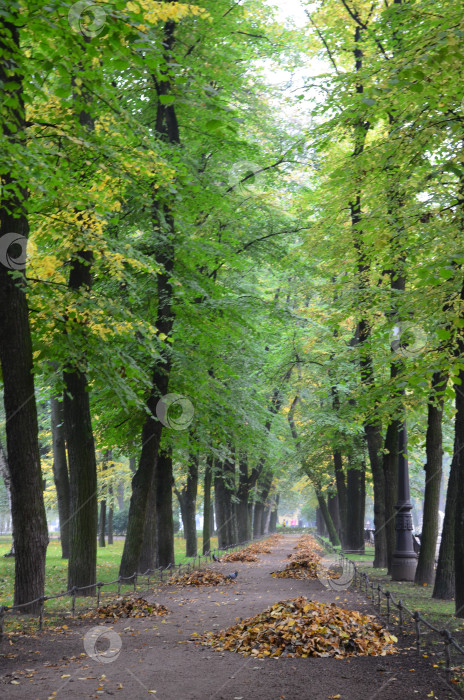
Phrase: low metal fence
pixel 152 575
pixel 377 594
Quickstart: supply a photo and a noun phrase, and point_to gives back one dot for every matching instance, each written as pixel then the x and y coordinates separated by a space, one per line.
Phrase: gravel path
pixel 157 654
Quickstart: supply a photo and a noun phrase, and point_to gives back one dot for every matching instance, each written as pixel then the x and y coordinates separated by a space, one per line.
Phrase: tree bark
pixel 243 491
pixel 30 534
pixel 273 523
pixel 164 231
pixel 444 587
pixel 332 504
pixel 390 471
pixel 83 524
pixel 326 517
pixel 433 475
pixel 164 517
pixel 60 471
pixel 341 492
pixel 147 559
pixel 191 490
pixel 459 515
pixel 102 524
pixel 110 516
pixel 207 505
pixel 356 495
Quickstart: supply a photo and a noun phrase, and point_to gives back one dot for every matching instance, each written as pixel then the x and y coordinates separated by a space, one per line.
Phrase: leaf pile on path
pixel 305 562
pixel 300 627
pixel 242 555
pixel 206 577
pixel 298 569
pixel 258 548
pixel 129 607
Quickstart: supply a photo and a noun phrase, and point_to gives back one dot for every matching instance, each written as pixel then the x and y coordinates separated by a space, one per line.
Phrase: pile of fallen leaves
pixel 206 577
pixel 128 607
pixel 242 555
pixel 258 548
pixel 299 569
pixel 300 627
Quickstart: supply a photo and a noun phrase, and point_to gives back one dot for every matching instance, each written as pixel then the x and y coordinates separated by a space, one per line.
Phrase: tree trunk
pixel 459 515
pixel 110 516
pixel 341 493
pixel 243 522
pixel 191 490
pixel 332 504
pixel 60 471
pixel 374 446
pixel 83 524
pixel 263 490
pixel 102 525
pixel 326 517
pixel 219 503
pixel 273 523
pixel 433 476
pixel 147 560
pixel 164 519
pixel 207 505
pixel 390 471
pixel 164 234
pixel 120 495
pixel 30 534
pixel 356 496
pixel 444 586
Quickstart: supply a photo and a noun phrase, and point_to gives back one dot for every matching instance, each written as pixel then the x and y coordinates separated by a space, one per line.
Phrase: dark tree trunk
pixel 320 523
pixel 332 504
pixel 459 516
pixel 147 560
pixel 374 446
pixel 30 534
pixel 110 516
pixel 102 525
pixel 60 471
pixel 212 528
pixel 190 506
pixel 433 474
pixel 163 228
pixel 326 517
pixel 263 490
pixel 341 492
pixel 207 505
pixel 243 522
pixel 83 524
pixel 390 470
pixel 273 523
pixel 356 496
pixel 164 517
pixel 120 495
pixel 219 503
pixel 444 587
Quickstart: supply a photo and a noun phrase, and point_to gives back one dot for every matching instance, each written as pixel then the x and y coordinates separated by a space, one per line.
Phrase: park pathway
pixel 157 654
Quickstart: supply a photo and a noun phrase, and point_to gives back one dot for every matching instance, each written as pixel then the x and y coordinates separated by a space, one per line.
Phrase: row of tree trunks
pixel 30 534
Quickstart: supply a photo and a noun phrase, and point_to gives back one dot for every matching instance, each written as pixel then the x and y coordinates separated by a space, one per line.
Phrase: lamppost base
pixel 404 567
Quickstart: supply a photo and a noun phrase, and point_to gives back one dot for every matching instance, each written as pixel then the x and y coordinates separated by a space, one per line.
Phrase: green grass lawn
pixel 108 560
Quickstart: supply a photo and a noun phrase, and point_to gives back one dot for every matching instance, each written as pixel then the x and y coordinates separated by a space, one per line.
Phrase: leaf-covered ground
pixel 242 555
pixel 301 627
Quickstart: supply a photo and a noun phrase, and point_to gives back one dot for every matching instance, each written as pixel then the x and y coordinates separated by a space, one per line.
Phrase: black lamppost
pixel 404 557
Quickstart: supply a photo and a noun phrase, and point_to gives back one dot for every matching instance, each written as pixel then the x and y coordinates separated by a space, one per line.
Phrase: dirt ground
pixel 157 654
